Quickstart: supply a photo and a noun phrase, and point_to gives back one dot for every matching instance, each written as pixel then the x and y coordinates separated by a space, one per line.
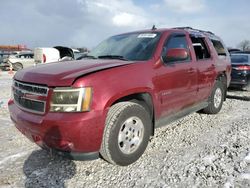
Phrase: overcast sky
pixel 45 23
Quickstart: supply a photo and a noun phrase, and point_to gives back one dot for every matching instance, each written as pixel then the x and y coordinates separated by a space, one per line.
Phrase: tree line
pixel 244 45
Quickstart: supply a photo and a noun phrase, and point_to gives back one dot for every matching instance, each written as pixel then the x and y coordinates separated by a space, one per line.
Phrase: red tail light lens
pixel 44 58
pixel 243 67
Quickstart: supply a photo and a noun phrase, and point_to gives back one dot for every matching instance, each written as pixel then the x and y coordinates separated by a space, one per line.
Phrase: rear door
pixel 28 60
pixel 176 81
pixel 205 65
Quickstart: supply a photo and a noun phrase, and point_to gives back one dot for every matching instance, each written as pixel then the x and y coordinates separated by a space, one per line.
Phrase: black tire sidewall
pixel 116 154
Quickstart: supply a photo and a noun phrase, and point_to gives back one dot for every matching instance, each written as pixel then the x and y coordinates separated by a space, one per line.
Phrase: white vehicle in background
pixel 21 60
pixel 55 54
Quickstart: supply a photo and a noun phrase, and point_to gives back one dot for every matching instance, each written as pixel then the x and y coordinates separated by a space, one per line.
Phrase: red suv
pixel 109 103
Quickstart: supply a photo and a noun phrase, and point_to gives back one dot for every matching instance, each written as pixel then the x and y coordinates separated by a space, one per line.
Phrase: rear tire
pixel 126 134
pixel 17 66
pixel 216 99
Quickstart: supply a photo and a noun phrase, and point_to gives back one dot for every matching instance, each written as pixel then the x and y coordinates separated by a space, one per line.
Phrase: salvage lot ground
pixel 197 151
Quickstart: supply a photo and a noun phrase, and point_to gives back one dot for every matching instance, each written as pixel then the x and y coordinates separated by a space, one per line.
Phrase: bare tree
pixel 244 45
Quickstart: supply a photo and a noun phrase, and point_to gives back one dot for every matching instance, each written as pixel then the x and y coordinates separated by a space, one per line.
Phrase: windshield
pixel 239 58
pixel 132 47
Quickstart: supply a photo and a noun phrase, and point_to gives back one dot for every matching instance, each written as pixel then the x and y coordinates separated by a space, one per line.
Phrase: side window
pixel 200 48
pixel 219 47
pixel 176 41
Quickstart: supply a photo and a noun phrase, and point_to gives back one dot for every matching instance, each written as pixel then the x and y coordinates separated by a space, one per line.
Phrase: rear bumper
pixel 240 78
pixel 239 82
pixel 68 134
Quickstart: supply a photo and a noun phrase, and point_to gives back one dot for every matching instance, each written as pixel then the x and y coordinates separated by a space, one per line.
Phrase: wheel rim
pixel 18 66
pixel 217 97
pixel 130 135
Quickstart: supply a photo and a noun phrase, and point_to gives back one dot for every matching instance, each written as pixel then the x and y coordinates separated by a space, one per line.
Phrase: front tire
pixel 216 99
pixel 126 134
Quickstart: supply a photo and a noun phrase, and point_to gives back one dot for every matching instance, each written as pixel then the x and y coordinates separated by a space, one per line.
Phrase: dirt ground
pixel 197 151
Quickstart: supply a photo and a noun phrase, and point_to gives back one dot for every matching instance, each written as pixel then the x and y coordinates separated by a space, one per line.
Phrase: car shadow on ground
pixel 45 170
pixel 238 94
pixel 242 98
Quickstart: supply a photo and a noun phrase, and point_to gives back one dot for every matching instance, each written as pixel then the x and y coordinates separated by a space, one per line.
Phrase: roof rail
pixel 196 30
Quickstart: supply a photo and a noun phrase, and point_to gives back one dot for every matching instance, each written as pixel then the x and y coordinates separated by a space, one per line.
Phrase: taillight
pixel 44 58
pixel 243 67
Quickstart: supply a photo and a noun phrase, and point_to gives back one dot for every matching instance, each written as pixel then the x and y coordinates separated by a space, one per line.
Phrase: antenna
pixel 154 28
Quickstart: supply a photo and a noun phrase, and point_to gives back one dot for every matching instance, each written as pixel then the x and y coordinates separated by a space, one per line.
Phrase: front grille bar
pixel 33 89
pixel 22 92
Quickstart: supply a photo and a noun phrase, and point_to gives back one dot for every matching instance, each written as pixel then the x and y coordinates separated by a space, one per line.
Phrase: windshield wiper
pixel 113 57
pixel 88 56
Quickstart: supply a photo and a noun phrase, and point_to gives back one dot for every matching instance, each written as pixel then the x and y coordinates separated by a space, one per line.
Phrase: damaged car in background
pixel 21 60
pixel 240 70
pixel 55 54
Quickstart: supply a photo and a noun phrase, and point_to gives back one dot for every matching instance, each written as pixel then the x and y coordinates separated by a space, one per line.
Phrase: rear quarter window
pixel 239 58
pixel 219 48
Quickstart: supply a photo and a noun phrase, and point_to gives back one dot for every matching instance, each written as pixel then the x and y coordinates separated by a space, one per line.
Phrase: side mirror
pixel 176 54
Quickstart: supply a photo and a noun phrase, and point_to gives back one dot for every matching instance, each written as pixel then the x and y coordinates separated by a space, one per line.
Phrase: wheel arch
pixel 144 98
pixel 222 77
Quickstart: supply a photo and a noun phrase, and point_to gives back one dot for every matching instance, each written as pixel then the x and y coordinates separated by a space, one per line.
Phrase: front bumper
pixel 75 155
pixel 4 66
pixel 70 134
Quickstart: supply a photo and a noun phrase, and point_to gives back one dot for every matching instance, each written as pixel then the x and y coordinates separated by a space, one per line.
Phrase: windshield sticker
pixel 147 35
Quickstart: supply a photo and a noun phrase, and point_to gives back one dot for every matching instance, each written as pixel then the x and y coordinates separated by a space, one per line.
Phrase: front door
pixel 176 82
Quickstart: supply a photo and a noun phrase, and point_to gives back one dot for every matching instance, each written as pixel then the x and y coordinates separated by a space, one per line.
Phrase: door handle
pixel 191 70
pixel 211 68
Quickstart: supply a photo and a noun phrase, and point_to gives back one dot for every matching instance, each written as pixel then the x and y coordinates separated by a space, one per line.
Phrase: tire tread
pixel 210 109
pixel 112 116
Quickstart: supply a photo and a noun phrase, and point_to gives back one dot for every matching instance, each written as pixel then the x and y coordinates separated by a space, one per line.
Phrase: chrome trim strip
pixel 64 105
pixel 66 89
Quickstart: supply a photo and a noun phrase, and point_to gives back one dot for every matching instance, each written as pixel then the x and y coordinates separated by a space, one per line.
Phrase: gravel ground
pixel 197 151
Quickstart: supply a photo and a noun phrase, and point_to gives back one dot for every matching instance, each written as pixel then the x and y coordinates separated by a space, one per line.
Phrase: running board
pixel 169 119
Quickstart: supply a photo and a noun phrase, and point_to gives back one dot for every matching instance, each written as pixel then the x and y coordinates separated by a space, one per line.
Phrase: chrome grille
pixel 30 97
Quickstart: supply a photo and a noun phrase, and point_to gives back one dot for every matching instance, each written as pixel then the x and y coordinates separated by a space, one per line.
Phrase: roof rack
pixel 195 30
pixel 240 52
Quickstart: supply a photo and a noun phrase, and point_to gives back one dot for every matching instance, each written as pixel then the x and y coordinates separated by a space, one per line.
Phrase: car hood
pixel 65 73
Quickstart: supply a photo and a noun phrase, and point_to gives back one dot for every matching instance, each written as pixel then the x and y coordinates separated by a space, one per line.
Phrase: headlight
pixel 71 99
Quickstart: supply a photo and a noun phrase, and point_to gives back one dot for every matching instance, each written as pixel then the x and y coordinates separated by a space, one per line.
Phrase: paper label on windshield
pixel 147 35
